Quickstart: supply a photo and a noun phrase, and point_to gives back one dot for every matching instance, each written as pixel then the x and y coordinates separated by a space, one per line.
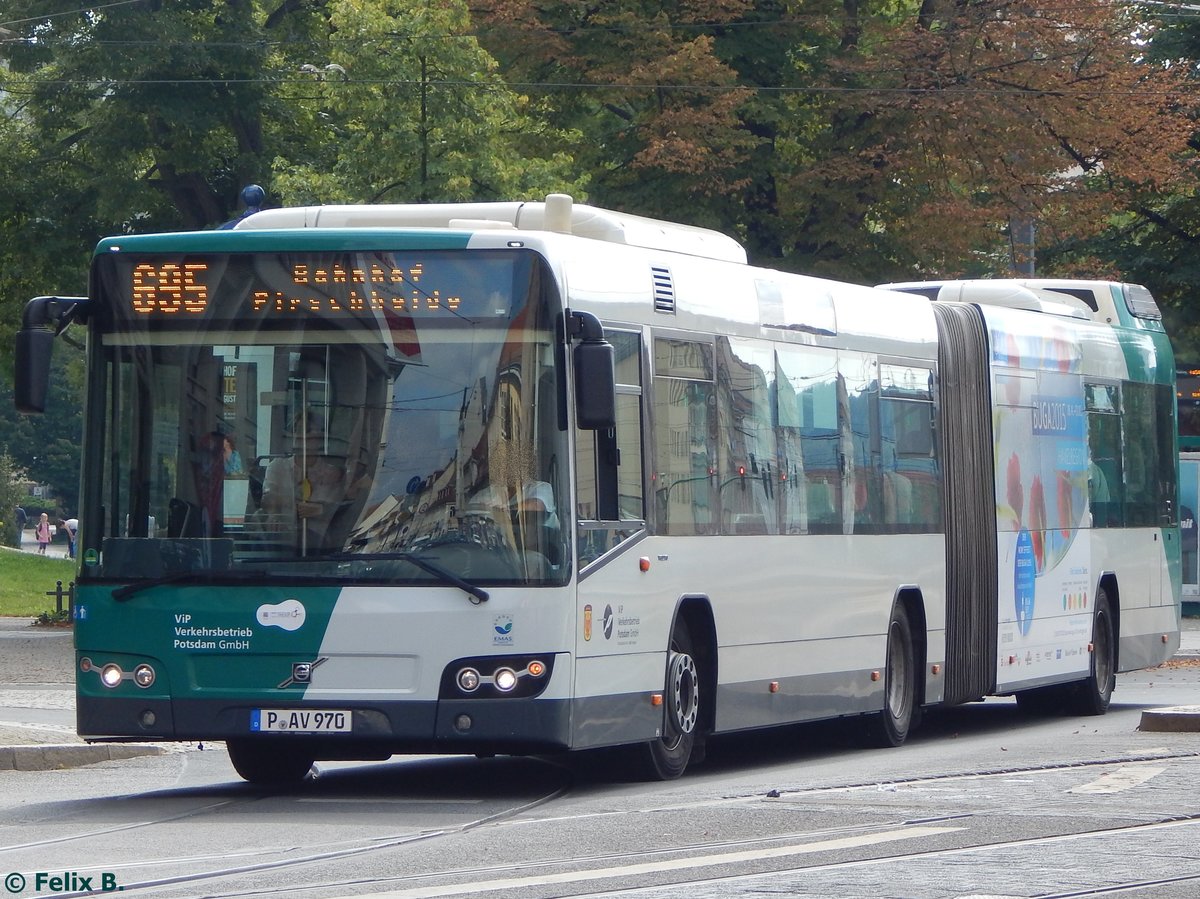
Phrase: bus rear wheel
pixel 268 763
pixel 890 726
pixel 666 757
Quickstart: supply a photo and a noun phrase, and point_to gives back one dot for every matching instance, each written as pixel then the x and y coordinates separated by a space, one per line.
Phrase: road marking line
pixel 1125 778
pixel 699 861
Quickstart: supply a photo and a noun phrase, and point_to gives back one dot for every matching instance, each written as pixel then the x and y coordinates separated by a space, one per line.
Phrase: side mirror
pixel 595 386
pixel 31 377
pixel 43 320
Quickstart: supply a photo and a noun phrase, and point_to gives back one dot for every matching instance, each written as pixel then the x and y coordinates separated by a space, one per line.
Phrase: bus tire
pixel 890 727
pixel 666 757
pixel 1092 695
pixel 267 763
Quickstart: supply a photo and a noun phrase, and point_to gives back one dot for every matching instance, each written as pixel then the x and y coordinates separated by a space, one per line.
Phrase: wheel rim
pixel 899 697
pixel 683 698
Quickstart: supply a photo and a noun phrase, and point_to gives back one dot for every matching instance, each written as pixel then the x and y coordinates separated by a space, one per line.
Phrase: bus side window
pixel 860 421
pixel 912 496
pixel 747 469
pixel 685 419
pixel 807 440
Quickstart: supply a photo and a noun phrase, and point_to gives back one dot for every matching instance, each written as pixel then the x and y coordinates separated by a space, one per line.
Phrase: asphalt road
pixel 983 801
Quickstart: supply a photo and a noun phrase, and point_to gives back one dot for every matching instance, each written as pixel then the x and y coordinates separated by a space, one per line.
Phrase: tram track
pixel 673 866
pixel 347 849
pixel 133 825
pixel 537 878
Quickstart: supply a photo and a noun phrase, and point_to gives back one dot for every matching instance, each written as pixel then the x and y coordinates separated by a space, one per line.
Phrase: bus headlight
pixel 143 675
pixel 468 680
pixel 505 680
pixel 111 675
pixel 494 677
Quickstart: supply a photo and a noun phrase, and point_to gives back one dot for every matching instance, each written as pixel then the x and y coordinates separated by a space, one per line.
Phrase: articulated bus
pixel 533 477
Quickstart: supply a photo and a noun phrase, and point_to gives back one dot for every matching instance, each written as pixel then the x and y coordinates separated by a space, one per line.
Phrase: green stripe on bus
pixel 251 241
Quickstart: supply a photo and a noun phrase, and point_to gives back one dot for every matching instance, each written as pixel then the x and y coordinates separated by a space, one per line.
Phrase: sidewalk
pixel 37 702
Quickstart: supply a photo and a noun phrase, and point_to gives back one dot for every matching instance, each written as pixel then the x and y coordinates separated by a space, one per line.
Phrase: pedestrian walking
pixel 41 533
pixel 22 520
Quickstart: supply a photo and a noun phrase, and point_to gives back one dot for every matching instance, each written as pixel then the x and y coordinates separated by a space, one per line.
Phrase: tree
pixel 1156 240
pixel 860 140
pixel 409 108
pixel 10 498
pixel 645 85
pixel 961 118
pixel 47 447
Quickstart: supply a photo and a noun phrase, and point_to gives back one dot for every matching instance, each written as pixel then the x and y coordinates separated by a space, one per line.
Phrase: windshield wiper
pixel 120 594
pixel 478 594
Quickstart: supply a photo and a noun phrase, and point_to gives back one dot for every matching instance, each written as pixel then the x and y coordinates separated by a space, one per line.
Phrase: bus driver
pixel 302 491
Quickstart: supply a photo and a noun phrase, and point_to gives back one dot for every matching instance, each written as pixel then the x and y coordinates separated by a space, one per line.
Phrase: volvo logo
pixel 302 672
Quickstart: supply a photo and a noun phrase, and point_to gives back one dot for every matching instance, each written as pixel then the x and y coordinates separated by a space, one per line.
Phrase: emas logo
pixel 288 615
pixel 503 627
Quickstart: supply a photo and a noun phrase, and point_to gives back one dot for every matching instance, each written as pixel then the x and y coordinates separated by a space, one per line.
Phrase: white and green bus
pixel 534 477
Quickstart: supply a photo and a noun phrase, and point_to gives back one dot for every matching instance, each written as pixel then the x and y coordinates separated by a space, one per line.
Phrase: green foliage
pixel 10 498
pixel 408 108
pixel 47 447
pixel 25 580
pixel 862 141
pixel 53 618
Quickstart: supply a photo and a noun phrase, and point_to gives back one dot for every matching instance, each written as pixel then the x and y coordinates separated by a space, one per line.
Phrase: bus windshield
pixel 366 416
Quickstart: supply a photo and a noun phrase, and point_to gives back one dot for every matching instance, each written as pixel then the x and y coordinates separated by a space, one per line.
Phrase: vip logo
pixel 608 622
pixel 288 615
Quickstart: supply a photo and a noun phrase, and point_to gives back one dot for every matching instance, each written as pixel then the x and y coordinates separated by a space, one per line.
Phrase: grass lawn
pixel 26 577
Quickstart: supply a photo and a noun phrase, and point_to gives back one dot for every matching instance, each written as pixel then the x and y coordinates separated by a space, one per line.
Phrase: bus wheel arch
pixel 688 691
pixel 1091 696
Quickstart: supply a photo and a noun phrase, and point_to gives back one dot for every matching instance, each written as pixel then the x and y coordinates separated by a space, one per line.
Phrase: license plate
pixel 307 721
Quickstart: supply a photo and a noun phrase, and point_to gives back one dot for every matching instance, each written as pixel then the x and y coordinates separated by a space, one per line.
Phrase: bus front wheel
pixel 666 757
pixel 267 763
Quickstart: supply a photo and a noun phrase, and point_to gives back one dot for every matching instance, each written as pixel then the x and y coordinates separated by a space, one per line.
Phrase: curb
pixel 51 757
pixel 1180 719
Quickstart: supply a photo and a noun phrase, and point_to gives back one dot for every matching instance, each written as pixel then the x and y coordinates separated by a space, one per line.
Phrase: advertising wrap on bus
pixel 1042 502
